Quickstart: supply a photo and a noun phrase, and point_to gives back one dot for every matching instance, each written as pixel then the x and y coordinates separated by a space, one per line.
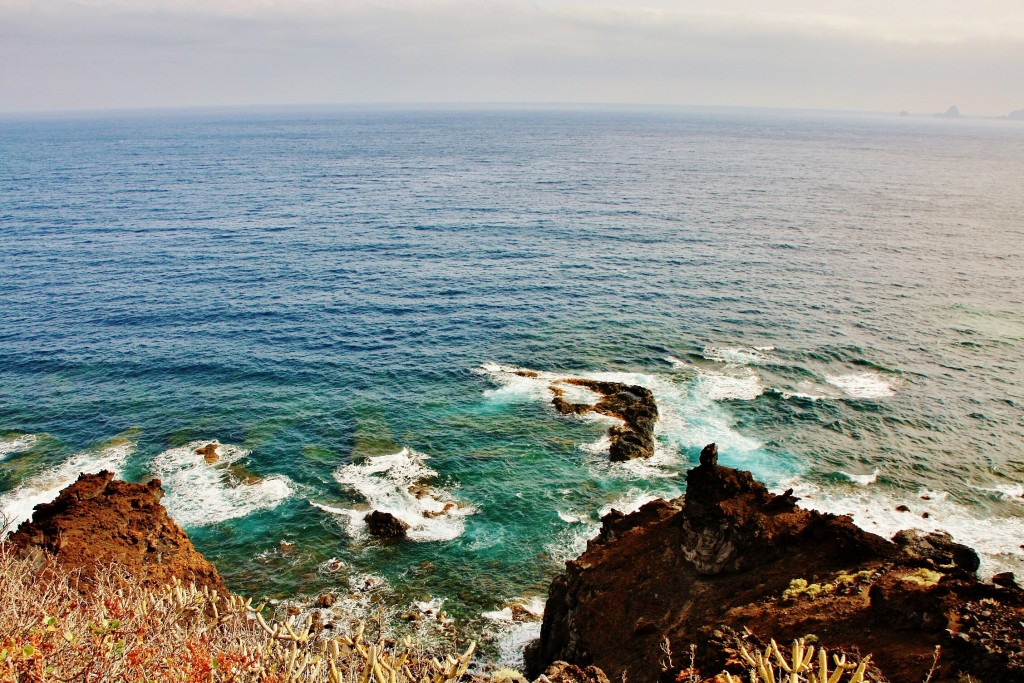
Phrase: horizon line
pixel 441 105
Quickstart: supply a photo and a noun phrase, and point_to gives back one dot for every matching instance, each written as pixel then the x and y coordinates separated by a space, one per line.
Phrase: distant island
pixel 952 113
pixel 1016 115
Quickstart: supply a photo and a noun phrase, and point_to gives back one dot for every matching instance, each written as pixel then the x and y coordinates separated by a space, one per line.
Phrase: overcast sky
pixel 886 55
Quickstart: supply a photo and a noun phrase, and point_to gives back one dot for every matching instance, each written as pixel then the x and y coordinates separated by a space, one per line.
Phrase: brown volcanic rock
pixel 720 559
pixel 385 525
pixel 561 672
pixel 99 521
pixel 632 404
pixel 209 453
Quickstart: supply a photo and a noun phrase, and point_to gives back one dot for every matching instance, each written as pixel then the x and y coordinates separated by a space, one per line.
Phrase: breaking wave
pixel 16 444
pixel 201 492
pixel 398 484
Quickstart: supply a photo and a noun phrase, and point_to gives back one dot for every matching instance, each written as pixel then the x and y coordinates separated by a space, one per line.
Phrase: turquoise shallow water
pixel 337 297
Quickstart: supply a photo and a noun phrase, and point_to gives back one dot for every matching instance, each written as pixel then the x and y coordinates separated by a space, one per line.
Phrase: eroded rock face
pixel 98 521
pixel 385 525
pixel 936 550
pixel 731 558
pixel 632 404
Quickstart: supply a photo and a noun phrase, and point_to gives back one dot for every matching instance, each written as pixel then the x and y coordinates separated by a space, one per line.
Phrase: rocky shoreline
pixel 99 521
pixel 671 592
pixel 730 564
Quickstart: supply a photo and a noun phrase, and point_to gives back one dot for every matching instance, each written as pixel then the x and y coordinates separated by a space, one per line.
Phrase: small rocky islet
pixel 632 404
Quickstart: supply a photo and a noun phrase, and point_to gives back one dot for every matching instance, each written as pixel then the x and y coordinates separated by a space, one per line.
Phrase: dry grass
pixel 53 627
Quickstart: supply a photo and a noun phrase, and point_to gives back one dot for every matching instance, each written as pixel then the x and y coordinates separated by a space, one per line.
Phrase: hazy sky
pixel 920 55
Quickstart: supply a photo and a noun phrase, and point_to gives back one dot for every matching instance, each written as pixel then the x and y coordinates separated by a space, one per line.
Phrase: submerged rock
pixel 732 559
pixel 99 521
pixel 385 525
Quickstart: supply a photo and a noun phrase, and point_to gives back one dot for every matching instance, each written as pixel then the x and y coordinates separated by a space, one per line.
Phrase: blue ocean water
pixel 341 299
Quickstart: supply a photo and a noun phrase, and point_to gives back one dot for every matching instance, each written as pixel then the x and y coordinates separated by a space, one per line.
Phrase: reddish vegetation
pixel 711 568
pixel 98 521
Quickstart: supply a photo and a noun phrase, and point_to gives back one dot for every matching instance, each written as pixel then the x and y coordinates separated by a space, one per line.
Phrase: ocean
pixel 342 299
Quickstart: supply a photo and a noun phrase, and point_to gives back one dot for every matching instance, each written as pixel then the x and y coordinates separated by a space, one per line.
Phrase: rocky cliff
pixel 98 521
pixel 729 562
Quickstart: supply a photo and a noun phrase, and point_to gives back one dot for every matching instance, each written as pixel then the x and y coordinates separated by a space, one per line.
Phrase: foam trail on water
pixel 514 387
pixel 740 355
pixel 519 385
pixel 584 526
pixel 720 386
pixel 629 502
pixel 513 641
pixel 17 505
pixel 996 539
pixel 395 483
pixel 866 385
pixel 16 444
pixel 1013 492
pixel 809 390
pixel 570 518
pixel 200 493
pixel 862 479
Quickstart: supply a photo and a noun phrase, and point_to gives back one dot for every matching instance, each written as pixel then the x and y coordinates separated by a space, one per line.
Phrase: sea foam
pixel 740 355
pixel 862 479
pixel 1011 492
pixel 513 630
pixel 200 493
pixel 397 484
pixel 864 385
pixel 720 386
pixel 16 444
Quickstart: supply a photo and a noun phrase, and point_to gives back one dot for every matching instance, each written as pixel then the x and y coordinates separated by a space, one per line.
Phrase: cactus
pixel 772 666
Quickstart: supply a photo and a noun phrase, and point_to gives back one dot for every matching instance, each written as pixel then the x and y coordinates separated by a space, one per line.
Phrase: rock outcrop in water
pixel 729 562
pixel 209 453
pixel 385 525
pixel 98 521
pixel 632 404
